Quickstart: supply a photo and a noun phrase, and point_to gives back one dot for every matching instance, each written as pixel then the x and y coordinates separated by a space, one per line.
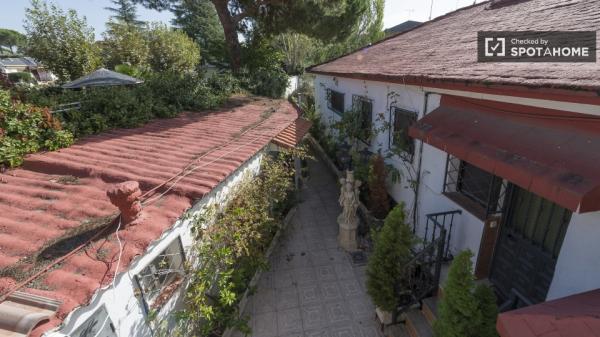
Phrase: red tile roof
pixel 293 134
pixel 577 315
pixel 446 48
pixel 57 195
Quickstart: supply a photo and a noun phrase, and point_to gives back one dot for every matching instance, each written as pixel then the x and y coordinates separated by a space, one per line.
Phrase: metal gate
pixel 531 235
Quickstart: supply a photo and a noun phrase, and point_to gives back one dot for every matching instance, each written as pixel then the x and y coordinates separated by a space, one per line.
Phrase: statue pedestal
pixel 347 234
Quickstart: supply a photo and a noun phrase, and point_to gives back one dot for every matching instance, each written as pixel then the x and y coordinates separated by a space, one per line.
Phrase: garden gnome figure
pixel 348 221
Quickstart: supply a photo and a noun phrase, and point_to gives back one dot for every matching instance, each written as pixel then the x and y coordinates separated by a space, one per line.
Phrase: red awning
pixel 554 154
pixel 577 315
pixel 293 134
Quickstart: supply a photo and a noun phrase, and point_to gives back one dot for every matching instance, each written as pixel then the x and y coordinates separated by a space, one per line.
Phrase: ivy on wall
pixel 231 244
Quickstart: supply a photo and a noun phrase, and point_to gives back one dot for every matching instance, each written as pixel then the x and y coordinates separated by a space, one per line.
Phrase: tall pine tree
pixel 199 20
pixel 124 12
pixel 327 20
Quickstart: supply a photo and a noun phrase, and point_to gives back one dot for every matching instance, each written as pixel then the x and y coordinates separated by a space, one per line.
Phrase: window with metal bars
pixel 159 279
pixel 335 101
pixel 482 188
pixel 401 122
pixel 364 107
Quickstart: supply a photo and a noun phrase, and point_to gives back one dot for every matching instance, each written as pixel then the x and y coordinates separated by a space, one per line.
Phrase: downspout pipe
pixel 419 165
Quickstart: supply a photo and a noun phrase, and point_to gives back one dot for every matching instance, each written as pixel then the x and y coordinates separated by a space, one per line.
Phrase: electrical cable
pixel 19 285
pixel 192 169
pixel 114 277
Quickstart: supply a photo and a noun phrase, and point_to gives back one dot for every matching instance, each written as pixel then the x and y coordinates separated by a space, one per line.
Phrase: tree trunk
pixel 231 34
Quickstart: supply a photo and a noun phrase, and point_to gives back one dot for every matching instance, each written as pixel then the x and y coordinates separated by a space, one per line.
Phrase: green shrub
pixel 465 310
pixel 266 81
pixel 232 247
pixel 21 77
pixel 486 300
pixel 162 95
pixel 26 129
pixel 263 74
pixel 392 251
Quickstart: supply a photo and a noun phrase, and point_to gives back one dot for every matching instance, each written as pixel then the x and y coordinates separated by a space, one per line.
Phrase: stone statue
pixel 348 220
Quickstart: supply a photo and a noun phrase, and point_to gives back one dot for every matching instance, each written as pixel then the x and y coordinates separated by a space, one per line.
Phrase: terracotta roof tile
pixel 60 193
pixel 293 134
pixel 577 315
pixel 446 48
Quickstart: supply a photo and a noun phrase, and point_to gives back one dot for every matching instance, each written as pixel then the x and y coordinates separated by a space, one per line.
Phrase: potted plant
pixel 385 269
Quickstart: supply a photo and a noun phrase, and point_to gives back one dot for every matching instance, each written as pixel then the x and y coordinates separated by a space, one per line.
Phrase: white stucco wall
pixel 467 230
pixel 125 310
pixel 578 266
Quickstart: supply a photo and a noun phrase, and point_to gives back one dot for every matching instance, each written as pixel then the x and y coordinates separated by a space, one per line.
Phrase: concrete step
pixel 396 330
pixel 417 325
pixel 429 309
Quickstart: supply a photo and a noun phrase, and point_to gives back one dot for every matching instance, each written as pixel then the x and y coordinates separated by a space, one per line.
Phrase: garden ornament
pixel 348 220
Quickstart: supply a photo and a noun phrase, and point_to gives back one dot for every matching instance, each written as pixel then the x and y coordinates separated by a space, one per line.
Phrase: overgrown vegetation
pixel 392 251
pixel 26 129
pixel 232 247
pixel 162 95
pixel 466 310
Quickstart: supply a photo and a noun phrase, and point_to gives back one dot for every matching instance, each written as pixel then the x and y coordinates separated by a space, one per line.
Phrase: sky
pixel 396 11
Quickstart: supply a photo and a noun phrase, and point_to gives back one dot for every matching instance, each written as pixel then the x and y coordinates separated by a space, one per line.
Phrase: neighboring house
pixel 58 201
pixel 509 150
pixel 13 65
pixel 404 26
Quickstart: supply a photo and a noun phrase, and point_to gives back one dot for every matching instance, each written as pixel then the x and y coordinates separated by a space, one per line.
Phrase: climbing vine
pixel 231 246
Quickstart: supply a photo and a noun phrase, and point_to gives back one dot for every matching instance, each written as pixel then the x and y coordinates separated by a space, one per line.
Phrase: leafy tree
pixel 11 41
pixel 298 50
pixel 171 50
pixel 392 251
pixel 198 18
pixel 370 31
pixel 61 40
pixel 124 12
pixel 463 310
pixel 125 44
pixel 325 20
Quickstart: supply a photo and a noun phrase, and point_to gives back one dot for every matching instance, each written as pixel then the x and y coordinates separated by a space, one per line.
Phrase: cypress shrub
pixel 465 310
pixel 392 251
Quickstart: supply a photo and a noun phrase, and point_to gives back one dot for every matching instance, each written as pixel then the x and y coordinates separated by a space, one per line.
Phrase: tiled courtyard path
pixel 312 288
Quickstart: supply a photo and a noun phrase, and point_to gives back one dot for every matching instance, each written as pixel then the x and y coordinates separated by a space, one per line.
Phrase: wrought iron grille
pixel 435 223
pixel 166 269
pixel 423 271
pixel 483 188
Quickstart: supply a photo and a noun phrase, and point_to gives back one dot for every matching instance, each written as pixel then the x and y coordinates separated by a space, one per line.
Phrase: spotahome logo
pixel 536 46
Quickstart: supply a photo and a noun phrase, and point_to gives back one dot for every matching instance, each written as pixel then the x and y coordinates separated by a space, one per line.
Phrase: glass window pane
pixel 402 121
